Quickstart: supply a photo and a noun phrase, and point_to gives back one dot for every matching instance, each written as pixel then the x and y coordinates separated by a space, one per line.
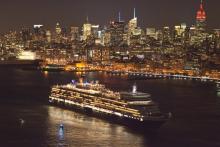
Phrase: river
pixel 28 121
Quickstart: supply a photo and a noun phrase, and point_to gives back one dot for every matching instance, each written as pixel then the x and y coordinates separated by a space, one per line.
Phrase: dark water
pixel 24 94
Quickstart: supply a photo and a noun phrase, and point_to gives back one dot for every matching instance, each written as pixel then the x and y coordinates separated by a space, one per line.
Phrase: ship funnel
pixel 80 80
pixel 134 89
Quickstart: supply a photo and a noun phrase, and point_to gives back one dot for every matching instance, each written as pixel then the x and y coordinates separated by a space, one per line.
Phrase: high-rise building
pixel 87 29
pixel 95 30
pixel 217 38
pixel 74 33
pixel 107 38
pixel 58 33
pixel 132 25
pixel 58 29
pixel 115 33
pixel 38 29
pixel 159 35
pixel 179 31
pixel 98 54
pixel 166 35
pixel 48 36
pixel 39 32
pixel 25 34
pixel 201 18
pixel 151 32
pixel 116 29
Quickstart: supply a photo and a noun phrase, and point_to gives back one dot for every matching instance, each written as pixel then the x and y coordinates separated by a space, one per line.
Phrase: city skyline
pixel 70 13
pixel 110 73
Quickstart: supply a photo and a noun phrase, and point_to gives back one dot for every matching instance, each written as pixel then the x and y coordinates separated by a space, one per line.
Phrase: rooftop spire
pixel 201 14
pixel 119 16
pixel 201 4
pixel 134 13
pixel 87 19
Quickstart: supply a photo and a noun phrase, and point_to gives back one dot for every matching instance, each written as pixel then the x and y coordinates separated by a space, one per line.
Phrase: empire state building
pixel 201 18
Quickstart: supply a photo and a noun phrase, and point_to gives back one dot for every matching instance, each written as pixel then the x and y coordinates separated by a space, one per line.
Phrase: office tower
pixel 107 38
pixel 48 36
pixel 132 25
pixel 95 31
pixel 58 33
pixel 87 29
pixel 39 32
pixel 74 33
pixel 151 32
pixel 26 37
pixel 166 35
pixel 116 30
pixel 38 29
pixel 179 31
pixel 25 34
pixel 217 38
pixel 58 29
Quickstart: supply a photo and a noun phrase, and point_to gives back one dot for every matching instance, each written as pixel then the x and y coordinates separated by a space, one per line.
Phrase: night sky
pixel 151 13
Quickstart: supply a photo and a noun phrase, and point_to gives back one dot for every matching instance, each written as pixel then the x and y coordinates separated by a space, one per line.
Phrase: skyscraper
pixel 151 32
pixel 132 25
pixel 39 32
pixel 87 29
pixel 74 33
pixel 94 30
pixel 58 29
pixel 201 18
pixel 166 35
pixel 116 29
pixel 25 34
pixel 48 36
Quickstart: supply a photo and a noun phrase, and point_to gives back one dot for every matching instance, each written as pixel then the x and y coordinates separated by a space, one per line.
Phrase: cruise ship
pixel 131 108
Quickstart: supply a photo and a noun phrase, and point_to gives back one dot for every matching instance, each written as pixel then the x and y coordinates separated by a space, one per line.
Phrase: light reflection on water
pixel 82 130
pixel 24 95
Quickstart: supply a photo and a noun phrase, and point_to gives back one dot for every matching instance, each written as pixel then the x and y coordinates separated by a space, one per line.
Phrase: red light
pixel 201 15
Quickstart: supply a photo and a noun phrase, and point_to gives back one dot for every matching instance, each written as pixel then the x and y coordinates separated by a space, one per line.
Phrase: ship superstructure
pixel 95 98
